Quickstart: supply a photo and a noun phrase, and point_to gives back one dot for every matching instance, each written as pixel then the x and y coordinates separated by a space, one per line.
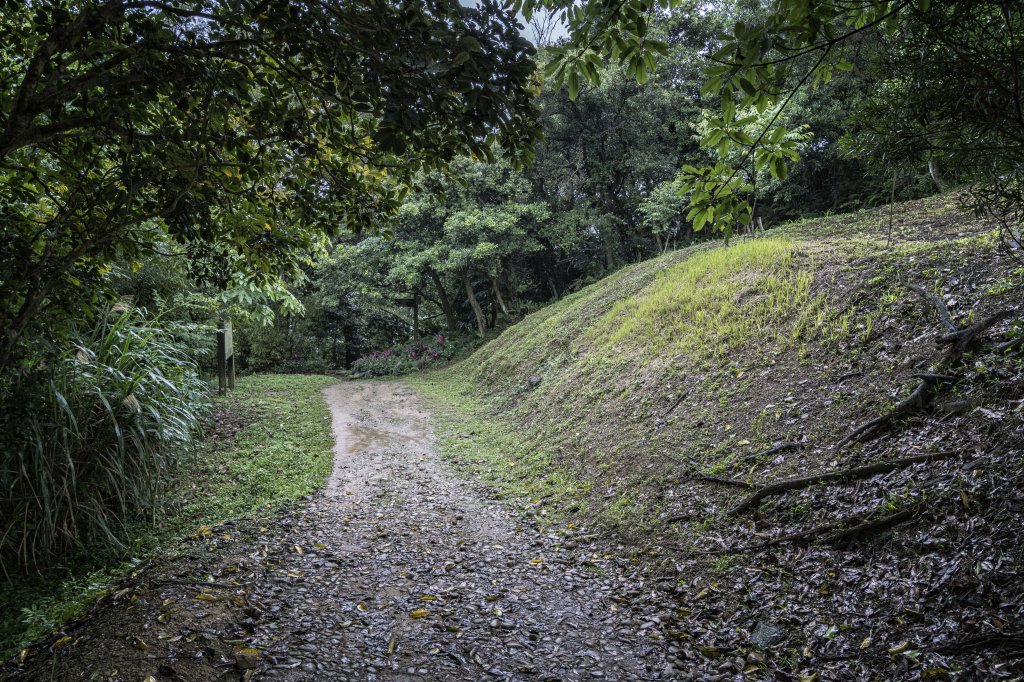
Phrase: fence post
pixel 225 358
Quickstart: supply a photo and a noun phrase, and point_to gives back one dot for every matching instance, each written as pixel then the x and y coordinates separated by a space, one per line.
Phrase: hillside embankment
pixel 812 439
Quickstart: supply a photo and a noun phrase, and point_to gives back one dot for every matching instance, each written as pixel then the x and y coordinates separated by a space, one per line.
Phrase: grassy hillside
pixel 650 404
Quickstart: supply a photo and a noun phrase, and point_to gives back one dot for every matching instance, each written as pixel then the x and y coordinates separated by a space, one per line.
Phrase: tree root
pixel 962 339
pixel 937 302
pixel 916 401
pixel 871 525
pixel 835 531
pixel 785 485
pixel 722 481
pixel 781 447
pixel 959 341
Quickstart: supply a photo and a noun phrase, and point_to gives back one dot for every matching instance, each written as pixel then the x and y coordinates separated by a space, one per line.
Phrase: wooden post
pixel 416 315
pixel 225 358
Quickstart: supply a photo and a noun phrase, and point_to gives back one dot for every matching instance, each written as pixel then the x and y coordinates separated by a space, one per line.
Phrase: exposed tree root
pixel 937 302
pixel 959 341
pixel 962 339
pixel 683 395
pixel 781 447
pixel 722 481
pixel 999 639
pixel 762 492
pixel 915 402
pixel 871 525
pixel 834 531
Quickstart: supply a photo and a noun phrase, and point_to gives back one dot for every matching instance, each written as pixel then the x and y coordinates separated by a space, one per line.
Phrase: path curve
pixel 509 602
pixel 400 570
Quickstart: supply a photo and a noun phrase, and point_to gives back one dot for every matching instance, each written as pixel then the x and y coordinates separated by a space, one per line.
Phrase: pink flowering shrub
pixel 407 357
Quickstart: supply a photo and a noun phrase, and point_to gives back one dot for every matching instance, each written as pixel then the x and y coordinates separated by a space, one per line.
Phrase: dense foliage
pixel 93 436
pixel 239 134
pixel 407 357
pixel 944 79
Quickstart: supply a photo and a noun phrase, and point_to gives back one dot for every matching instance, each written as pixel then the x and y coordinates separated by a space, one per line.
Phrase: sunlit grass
pixel 713 303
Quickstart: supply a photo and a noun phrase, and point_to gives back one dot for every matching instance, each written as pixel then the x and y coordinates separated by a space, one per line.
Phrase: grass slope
pixel 271 446
pixel 700 359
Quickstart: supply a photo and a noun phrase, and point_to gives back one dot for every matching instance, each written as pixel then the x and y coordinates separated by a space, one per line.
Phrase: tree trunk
pixel 936 172
pixel 416 315
pixel 481 321
pixel 609 252
pixel 512 287
pixel 446 303
pixel 554 289
pixel 497 296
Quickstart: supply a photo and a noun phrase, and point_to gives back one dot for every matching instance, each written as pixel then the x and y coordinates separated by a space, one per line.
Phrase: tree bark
pixel 481 321
pixel 554 289
pixel 609 252
pixel 497 296
pixel 446 303
pixel 416 315
pixel 937 177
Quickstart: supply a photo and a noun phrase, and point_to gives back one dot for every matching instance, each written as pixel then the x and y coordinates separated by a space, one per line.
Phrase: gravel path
pixel 399 571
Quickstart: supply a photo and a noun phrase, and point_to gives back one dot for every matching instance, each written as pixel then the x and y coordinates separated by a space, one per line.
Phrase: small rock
pixel 247 659
pixel 765 634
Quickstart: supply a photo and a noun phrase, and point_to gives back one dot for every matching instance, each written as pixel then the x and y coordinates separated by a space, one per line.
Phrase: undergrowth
pixel 273 447
pixel 88 437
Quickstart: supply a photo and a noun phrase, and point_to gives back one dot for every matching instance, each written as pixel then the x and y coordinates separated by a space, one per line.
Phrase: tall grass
pixel 88 437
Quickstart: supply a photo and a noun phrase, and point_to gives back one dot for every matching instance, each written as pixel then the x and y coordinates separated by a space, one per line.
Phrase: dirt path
pixel 399 571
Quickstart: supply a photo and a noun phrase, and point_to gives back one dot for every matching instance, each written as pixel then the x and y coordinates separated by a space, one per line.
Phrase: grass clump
pixel 88 438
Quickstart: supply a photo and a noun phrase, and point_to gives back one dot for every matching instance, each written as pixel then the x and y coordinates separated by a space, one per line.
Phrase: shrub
pixel 408 357
pixel 88 436
pixel 296 363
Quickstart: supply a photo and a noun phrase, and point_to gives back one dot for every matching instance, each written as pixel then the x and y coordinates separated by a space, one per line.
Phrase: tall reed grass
pixel 88 437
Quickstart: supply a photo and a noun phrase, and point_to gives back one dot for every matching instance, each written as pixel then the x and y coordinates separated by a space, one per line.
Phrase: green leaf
pixel 574 84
